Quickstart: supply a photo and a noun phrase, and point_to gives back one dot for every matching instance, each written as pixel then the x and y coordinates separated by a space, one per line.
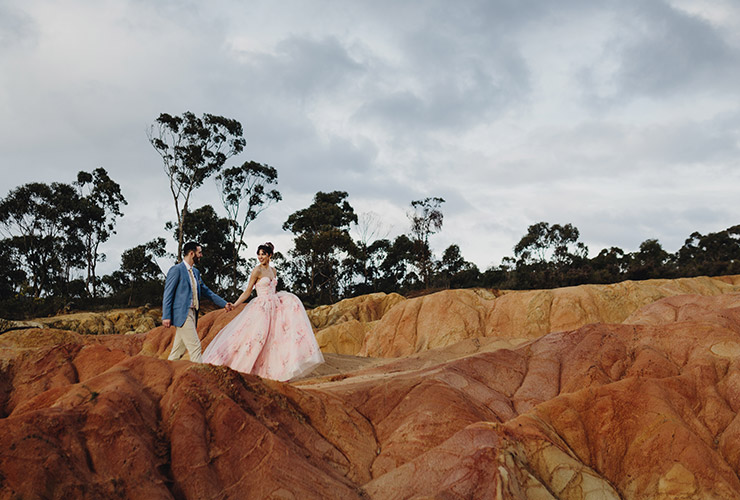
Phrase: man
pixel 182 293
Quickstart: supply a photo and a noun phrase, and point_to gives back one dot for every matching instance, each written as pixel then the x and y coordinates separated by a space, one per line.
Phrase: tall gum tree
pixel 245 193
pixel 193 149
pixel 426 219
pixel 100 205
pixel 321 235
pixel 39 221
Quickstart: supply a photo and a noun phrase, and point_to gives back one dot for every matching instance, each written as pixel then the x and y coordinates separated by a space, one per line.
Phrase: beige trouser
pixel 186 337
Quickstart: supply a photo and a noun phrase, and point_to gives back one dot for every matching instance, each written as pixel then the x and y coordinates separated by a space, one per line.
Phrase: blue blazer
pixel 178 294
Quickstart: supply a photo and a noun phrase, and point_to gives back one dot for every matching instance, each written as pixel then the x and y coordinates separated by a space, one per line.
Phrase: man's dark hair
pixel 190 246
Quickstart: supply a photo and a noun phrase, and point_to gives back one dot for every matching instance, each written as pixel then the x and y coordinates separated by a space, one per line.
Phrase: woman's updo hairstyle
pixel 268 248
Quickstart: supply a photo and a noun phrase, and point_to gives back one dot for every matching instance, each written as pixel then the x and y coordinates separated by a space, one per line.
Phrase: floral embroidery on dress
pixel 271 337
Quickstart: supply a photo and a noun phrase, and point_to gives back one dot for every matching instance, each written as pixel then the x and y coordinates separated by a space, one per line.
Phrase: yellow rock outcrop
pixel 341 328
pixel 446 317
pixel 116 321
pixel 365 308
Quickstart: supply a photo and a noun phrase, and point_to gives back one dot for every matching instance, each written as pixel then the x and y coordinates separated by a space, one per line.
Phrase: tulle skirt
pixel 272 337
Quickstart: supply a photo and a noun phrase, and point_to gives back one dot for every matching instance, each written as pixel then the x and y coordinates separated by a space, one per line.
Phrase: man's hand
pixel 166 323
pixel 229 306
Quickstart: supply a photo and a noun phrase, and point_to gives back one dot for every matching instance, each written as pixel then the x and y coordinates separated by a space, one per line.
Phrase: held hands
pixel 166 323
pixel 229 306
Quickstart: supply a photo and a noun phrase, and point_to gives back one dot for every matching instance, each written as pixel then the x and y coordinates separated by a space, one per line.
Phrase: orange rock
pixel 446 317
pixel 341 328
pixel 344 338
pixel 148 428
pixel 365 308
pixel 687 307
pixel 645 408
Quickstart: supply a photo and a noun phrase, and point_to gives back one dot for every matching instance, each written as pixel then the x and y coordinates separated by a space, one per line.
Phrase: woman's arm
pixel 246 293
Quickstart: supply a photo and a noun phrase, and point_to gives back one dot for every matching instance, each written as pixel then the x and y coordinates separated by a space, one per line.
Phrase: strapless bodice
pixel 265 286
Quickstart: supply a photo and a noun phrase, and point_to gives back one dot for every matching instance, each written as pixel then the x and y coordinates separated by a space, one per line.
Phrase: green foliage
pixel 52 234
pixel 40 225
pixel 246 187
pixel 650 262
pixel 52 230
pixel 321 241
pixel 609 265
pixel 545 243
pixel 549 254
pixel 193 149
pixel 398 258
pixel 100 205
pixel 455 272
pixel 712 254
pixel 212 232
pixel 361 269
pixel 426 219
pixel 139 280
pixel 11 275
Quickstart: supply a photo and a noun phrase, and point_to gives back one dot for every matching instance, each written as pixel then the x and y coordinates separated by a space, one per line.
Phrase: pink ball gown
pixel 272 337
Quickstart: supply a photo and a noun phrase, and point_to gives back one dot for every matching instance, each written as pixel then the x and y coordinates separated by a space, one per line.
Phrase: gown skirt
pixel 271 337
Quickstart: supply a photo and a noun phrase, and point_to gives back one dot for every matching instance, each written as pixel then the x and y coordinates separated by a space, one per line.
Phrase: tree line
pixel 53 233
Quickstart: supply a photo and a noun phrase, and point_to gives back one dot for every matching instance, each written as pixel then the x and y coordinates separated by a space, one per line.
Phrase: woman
pixel 272 336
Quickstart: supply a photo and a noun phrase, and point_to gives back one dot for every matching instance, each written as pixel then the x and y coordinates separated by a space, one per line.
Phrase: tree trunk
pixel 234 264
pixel 234 268
pixel 181 232
pixel 93 267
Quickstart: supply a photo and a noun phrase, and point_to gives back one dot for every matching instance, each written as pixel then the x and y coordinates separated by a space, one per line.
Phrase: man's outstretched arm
pixel 205 291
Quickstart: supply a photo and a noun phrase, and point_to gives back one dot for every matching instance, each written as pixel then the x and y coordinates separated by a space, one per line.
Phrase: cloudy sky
pixel 621 117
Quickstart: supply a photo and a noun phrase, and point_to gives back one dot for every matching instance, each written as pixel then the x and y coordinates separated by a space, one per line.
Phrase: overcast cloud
pixel 620 117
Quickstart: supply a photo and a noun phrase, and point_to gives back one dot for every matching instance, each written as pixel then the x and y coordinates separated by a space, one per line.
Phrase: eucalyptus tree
pixel 11 274
pixel 398 258
pixel 711 254
pixel 39 221
pixel 246 191
pixel 100 205
pixel 426 219
pixel 544 243
pixel 321 240
pixel 370 233
pixel 455 271
pixel 193 149
pixel 651 261
pixel 206 227
pixel 140 279
pixel 609 266
pixel 547 253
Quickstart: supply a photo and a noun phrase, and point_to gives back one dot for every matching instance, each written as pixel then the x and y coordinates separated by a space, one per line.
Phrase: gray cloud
pixel 17 29
pixel 302 68
pixel 446 79
pixel 661 51
pixel 619 117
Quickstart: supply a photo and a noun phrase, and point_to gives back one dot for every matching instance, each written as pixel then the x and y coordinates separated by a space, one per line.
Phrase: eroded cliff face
pixel 401 327
pixel 643 405
pixel 341 328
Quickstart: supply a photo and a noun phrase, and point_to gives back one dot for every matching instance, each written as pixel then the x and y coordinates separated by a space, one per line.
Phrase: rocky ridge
pixel 401 327
pixel 116 321
pixel 643 407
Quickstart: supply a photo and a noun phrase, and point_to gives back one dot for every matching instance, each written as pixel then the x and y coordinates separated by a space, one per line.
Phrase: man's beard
pixel 196 260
